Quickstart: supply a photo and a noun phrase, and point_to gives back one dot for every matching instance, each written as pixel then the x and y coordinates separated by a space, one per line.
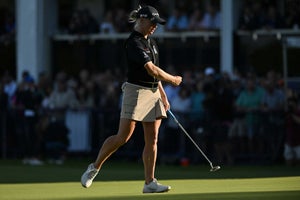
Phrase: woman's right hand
pixel 177 80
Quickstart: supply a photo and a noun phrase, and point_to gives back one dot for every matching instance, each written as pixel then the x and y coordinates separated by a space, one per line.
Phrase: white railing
pixel 278 33
pixel 116 36
pixel 182 35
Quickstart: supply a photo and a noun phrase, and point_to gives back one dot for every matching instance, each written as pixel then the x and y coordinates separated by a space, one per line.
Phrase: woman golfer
pixel 144 99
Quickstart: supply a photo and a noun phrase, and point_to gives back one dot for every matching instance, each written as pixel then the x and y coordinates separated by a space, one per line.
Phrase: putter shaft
pixel 196 145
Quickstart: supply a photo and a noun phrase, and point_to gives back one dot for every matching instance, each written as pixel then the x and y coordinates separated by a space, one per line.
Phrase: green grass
pixel 124 181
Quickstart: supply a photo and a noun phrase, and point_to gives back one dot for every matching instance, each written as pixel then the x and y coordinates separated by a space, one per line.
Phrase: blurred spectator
pixel 61 97
pixel 72 84
pixel 44 86
pixel 224 110
pixel 3 99
pixel 9 29
pixel 26 104
pixel 182 102
pixel 273 98
pixel 178 21
pixel 272 77
pixel 292 16
pixel 196 18
pixel 56 131
pixel 292 140
pixel 75 24
pixel 3 120
pixel 258 15
pixel 272 117
pixel 10 87
pixel 107 89
pixel 82 22
pixel 90 24
pixel 181 105
pixel 236 87
pixel 212 17
pixel 56 140
pixel 171 91
pixel 84 76
pixel 3 105
pixel 107 26
pixel 273 19
pixel 248 104
pixel 246 20
pixel 86 95
pixel 197 98
pixel 218 115
pixel 210 88
pixel 209 72
pixel 120 20
pixel 26 77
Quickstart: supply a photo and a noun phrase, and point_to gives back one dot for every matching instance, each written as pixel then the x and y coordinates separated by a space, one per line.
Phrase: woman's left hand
pixel 166 103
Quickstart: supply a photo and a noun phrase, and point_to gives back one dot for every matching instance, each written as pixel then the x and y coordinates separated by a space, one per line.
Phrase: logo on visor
pixel 143 15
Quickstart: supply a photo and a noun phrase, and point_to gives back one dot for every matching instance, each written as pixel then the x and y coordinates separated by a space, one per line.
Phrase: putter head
pixel 215 168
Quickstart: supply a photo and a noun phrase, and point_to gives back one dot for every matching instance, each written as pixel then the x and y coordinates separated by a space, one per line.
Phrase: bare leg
pixel 112 143
pixel 150 149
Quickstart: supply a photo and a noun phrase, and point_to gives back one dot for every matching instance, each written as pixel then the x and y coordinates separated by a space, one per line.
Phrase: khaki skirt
pixel 141 103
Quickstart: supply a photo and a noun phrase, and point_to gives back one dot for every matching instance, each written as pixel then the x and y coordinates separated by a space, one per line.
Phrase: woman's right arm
pixel 161 75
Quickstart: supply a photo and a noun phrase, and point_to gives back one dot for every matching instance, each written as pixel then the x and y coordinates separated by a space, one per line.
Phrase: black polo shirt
pixel 139 51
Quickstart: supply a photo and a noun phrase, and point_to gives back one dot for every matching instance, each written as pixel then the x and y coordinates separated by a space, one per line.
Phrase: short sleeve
pixel 136 53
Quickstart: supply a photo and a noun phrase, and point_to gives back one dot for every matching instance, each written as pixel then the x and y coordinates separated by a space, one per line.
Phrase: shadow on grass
pixel 288 195
pixel 15 172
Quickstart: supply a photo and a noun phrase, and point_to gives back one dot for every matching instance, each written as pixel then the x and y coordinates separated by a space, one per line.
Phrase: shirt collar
pixel 136 33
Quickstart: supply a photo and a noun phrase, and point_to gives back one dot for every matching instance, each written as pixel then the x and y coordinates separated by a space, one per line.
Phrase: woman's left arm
pixel 163 95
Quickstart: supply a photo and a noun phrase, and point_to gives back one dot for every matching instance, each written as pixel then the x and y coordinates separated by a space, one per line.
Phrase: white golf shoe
pixel 89 175
pixel 155 187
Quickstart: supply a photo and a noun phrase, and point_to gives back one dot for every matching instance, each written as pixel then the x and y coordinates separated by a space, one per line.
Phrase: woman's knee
pixel 151 143
pixel 119 140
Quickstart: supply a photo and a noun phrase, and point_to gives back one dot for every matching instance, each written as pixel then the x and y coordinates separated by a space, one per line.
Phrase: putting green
pixel 123 181
pixel 246 188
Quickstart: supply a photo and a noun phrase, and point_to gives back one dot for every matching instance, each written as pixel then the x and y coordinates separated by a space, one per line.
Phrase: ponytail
pixel 134 15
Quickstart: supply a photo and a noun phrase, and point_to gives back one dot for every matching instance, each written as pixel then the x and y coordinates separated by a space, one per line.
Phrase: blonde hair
pixel 133 15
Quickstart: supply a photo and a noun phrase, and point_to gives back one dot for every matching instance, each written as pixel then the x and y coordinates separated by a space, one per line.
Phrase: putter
pixel 213 168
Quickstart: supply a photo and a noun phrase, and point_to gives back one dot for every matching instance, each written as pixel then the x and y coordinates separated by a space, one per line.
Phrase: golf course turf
pixel 124 181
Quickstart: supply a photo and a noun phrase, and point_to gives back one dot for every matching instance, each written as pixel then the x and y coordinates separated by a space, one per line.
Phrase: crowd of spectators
pixel 184 17
pixel 82 22
pixel 196 16
pixel 230 116
pixel 260 15
pixel 36 121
